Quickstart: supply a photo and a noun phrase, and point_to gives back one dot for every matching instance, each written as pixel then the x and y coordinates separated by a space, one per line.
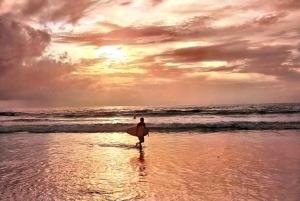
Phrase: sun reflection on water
pixel 110 168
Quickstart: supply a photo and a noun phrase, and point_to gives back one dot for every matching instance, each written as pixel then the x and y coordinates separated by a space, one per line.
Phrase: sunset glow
pixel 161 48
pixel 112 54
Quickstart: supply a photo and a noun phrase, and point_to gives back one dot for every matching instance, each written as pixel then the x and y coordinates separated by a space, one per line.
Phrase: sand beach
pixel 239 165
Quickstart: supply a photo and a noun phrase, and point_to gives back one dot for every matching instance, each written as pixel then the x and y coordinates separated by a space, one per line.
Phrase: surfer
pixel 141 138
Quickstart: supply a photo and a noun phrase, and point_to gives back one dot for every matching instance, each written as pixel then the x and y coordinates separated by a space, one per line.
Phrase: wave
pixel 76 113
pixel 174 127
pixel 7 113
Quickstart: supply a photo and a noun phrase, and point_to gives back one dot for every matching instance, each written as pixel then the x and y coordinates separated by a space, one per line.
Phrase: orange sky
pixel 148 52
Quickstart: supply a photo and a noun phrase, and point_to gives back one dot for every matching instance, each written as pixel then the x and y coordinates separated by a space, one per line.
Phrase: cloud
pixel 24 73
pixel 269 19
pixel 192 29
pixel 109 25
pixel 50 81
pixel 188 53
pixel 20 42
pixel 298 47
pixel 126 35
pixel 222 52
pixel 32 7
pixel 68 11
pixel 289 4
pixel 127 2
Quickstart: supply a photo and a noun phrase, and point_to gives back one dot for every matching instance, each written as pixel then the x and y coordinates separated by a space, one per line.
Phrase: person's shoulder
pixel 141 124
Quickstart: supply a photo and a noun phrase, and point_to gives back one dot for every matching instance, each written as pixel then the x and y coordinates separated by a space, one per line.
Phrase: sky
pixel 57 53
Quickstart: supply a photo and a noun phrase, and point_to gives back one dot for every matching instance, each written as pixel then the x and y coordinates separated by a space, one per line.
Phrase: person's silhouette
pixel 141 138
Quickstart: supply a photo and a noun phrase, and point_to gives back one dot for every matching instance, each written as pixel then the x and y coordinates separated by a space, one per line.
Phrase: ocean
pixel 158 119
pixel 224 152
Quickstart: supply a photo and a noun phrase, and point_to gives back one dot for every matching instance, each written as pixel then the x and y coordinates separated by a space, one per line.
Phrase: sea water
pixel 182 118
pixel 245 152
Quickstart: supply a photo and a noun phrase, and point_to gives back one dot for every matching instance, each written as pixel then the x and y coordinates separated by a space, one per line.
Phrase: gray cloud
pixel 20 42
pixel 223 52
pixel 288 4
pixel 32 7
pixel 24 74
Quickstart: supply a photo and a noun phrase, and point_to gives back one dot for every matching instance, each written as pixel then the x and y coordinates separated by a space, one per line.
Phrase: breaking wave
pixel 158 119
pixel 175 127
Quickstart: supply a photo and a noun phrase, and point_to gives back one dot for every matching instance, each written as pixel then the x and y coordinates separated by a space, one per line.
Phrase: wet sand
pixel 244 165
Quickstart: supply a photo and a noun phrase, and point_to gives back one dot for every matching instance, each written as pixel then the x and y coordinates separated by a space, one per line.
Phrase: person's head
pixel 142 119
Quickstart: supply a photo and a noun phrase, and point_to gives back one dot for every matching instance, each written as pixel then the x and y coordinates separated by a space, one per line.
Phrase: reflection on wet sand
pixel 118 173
pixel 219 166
pixel 139 164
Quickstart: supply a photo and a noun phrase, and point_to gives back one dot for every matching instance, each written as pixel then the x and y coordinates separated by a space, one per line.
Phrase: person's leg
pixel 141 140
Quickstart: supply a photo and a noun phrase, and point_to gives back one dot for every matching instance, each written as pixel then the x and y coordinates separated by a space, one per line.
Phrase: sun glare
pixel 112 54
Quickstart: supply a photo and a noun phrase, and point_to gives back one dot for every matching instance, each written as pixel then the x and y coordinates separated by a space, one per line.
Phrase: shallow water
pixel 260 165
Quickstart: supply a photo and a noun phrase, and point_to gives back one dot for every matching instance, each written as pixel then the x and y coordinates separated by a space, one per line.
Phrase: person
pixel 141 138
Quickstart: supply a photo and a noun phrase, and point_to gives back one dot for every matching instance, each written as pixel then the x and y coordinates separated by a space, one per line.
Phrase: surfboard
pixel 142 131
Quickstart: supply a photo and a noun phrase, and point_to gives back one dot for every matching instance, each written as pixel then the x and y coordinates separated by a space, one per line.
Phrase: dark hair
pixel 142 119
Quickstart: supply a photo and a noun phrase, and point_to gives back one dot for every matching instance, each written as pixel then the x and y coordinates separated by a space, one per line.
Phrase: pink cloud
pixel 258 45
pixel 20 42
